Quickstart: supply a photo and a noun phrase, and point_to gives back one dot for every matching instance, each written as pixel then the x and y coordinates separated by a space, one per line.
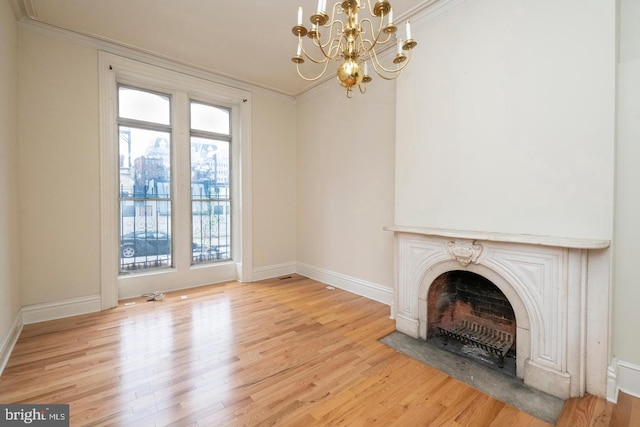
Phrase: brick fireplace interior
pixel 458 296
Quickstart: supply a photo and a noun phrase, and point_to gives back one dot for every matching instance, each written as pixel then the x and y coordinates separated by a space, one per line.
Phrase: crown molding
pixel 16 8
pixel 428 10
pixel 23 9
pixel 146 56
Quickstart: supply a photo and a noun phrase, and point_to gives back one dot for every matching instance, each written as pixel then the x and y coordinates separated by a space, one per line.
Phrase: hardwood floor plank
pixel 277 352
pixel 587 411
pixel 621 414
pixel 479 412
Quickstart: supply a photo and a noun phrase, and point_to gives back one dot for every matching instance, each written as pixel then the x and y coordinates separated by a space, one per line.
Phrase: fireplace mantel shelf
pixel 529 239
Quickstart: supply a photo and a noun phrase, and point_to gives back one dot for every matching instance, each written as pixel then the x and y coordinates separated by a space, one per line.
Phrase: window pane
pixel 145 204
pixel 210 164
pixel 211 231
pixel 145 163
pixel 141 105
pixel 209 118
pixel 145 234
pixel 211 205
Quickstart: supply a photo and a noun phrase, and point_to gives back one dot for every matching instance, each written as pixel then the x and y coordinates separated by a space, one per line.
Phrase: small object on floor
pixel 154 296
pixel 331 288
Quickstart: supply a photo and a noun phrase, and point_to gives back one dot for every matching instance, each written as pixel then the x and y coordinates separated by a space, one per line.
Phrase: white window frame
pixel 114 70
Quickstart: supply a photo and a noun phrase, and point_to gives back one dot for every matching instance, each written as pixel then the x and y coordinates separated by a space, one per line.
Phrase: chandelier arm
pixel 334 12
pixel 377 66
pixel 316 61
pixel 370 8
pixel 331 39
pixel 378 33
pixel 328 53
pixel 319 43
pixel 362 48
pixel 330 27
pixel 368 45
pixel 335 48
pixel 312 79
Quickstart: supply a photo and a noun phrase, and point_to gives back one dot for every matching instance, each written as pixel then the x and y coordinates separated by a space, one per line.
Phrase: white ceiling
pixel 250 41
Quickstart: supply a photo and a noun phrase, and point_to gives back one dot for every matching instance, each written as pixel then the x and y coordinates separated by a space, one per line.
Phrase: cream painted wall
pixel 627 231
pixel 345 181
pixel 59 169
pixel 274 181
pixel 10 298
pixel 506 120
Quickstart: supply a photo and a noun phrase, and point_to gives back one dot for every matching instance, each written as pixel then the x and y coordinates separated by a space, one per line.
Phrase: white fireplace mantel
pixel 558 287
pixel 530 239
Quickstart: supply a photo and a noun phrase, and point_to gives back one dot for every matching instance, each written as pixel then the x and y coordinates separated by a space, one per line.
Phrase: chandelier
pixel 354 42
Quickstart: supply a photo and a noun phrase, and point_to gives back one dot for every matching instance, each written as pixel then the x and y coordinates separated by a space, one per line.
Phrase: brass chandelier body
pixel 353 41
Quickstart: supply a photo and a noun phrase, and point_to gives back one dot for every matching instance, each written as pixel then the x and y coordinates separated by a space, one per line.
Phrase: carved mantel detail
pixel 464 252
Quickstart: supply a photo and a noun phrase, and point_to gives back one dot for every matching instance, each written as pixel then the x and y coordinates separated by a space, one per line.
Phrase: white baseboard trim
pixel 58 309
pixel 360 287
pixel 273 271
pixel 622 376
pixel 10 341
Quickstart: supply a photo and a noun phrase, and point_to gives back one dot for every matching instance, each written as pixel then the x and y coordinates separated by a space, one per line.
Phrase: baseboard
pixel 10 341
pixel 622 376
pixel 273 271
pixel 357 286
pixel 58 309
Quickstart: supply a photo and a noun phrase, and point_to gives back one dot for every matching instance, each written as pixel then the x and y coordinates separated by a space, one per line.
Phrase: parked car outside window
pixel 144 243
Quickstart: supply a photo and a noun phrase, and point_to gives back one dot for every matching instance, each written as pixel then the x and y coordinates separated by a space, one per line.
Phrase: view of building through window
pixel 146 199
pixel 210 186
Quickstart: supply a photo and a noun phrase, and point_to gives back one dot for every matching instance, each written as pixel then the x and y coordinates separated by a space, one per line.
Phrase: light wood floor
pixel 279 352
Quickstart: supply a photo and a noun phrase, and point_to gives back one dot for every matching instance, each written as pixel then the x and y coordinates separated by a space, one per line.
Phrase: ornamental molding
pixel 464 252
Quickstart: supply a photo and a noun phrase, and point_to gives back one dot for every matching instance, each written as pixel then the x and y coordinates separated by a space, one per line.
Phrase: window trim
pixel 114 70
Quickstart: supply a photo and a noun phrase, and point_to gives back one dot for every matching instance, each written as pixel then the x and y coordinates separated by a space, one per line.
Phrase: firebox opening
pixel 469 315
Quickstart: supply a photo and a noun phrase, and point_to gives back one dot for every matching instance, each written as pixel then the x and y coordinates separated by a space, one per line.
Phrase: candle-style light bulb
pixel 300 15
pixel 390 17
pixel 408 31
pixel 366 68
pixel 399 46
pixel 299 52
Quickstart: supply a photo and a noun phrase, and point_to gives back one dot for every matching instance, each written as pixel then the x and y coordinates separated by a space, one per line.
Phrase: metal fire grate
pixel 492 340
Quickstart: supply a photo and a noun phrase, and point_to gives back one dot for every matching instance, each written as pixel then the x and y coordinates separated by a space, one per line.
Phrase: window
pixel 174 174
pixel 210 183
pixel 144 128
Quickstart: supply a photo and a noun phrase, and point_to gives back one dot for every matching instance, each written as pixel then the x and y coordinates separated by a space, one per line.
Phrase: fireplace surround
pixel 558 289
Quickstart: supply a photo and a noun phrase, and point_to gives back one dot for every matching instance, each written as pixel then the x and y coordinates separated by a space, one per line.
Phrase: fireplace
pixel 469 315
pixel 557 290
